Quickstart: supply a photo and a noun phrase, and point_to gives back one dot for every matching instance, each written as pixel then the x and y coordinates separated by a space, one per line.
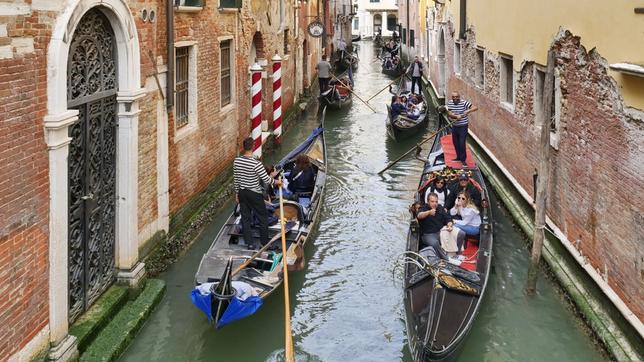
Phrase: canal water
pixel 347 304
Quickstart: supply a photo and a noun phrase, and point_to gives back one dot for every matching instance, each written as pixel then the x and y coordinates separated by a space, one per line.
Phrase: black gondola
pixel 407 124
pixel 337 96
pixel 356 38
pixel 345 59
pixel 301 212
pixel 391 65
pixel 441 299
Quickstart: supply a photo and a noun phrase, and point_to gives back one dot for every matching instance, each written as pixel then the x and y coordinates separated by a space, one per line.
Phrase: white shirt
pixel 469 216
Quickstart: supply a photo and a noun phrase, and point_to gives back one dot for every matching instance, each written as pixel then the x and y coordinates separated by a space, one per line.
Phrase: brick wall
pixel 24 184
pixel 596 172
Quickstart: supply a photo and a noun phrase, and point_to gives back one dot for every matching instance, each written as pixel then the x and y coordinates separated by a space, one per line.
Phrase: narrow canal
pixel 347 304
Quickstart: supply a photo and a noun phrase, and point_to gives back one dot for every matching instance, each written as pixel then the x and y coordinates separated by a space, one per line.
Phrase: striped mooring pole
pixel 277 97
pixel 256 110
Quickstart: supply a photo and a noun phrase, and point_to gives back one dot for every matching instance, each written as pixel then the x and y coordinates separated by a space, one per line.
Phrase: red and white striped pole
pixel 256 110
pixel 277 97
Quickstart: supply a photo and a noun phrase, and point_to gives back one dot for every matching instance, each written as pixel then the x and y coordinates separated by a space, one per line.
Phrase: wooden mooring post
pixel 543 176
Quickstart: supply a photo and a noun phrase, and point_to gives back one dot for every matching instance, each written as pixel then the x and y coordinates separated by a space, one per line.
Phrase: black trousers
pixel 414 81
pixel 459 138
pixel 324 84
pixel 250 200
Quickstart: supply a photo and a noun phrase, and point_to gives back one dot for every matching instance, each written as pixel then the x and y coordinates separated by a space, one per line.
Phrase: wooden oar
pixel 413 148
pixel 395 80
pixel 288 336
pixel 354 93
pixel 260 251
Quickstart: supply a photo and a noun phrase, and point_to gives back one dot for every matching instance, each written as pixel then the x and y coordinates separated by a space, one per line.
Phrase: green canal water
pixel 347 303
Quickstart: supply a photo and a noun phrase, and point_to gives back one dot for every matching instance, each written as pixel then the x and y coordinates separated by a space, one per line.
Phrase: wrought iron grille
pixel 91 88
pixel 181 94
pixel 225 73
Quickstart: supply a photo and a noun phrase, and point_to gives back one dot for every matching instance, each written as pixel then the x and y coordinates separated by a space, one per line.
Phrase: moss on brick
pixel 117 335
pixel 91 322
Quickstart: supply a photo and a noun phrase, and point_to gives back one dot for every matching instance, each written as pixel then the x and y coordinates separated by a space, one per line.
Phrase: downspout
pixel 170 52
pixel 408 32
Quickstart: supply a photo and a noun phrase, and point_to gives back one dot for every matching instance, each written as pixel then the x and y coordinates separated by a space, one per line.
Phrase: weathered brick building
pixel 96 155
pixel 596 128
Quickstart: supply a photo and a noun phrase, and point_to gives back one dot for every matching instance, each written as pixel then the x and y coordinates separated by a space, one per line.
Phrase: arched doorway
pixel 91 89
pixel 441 63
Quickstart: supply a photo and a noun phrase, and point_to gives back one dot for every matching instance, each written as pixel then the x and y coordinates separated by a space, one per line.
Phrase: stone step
pixel 121 330
pixel 96 318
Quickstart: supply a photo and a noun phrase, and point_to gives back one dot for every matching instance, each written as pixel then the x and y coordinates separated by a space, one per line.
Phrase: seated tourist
pixel 470 219
pixel 463 185
pixel 397 108
pixel 439 187
pixel 301 180
pixel 433 218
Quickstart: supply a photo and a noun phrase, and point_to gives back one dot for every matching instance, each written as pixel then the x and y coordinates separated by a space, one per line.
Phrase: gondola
pixel 337 96
pixel 405 125
pixel 345 59
pixel 442 299
pixel 356 38
pixel 390 67
pixel 263 275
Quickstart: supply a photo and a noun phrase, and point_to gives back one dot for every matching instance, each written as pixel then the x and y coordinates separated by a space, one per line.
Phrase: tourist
pixel 458 109
pixel 470 218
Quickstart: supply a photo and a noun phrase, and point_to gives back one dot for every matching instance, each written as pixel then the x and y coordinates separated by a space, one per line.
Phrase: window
pixel 181 86
pixel 355 24
pixel 507 80
pixel 226 79
pixel 191 3
pixel 404 36
pixel 374 1
pixel 391 22
pixel 463 19
pixel 412 40
pixel 480 66
pixel 457 58
pixel 233 4
pixel 286 49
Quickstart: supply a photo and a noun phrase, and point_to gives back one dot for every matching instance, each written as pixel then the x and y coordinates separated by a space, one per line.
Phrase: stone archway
pixel 442 81
pixel 62 116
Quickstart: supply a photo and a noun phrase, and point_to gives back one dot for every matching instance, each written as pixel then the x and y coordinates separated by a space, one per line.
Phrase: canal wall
pixel 600 308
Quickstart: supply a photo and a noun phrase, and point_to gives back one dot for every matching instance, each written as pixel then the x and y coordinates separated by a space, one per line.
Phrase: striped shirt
pixel 459 109
pixel 248 172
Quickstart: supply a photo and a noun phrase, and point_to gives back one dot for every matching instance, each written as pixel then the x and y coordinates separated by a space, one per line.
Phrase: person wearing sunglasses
pixel 439 187
pixel 458 110
pixel 463 185
pixel 470 218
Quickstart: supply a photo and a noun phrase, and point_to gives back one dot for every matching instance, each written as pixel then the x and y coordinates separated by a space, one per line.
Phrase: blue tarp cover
pixel 291 155
pixel 238 309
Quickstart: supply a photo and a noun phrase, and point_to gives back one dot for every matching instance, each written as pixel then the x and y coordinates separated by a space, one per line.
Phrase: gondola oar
pixel 414 148
pixel 395 80
pixel 354 93
pixel 289 355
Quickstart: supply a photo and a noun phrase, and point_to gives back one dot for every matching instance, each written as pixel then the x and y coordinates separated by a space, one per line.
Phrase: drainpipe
pixel 408 32
pixel 170 50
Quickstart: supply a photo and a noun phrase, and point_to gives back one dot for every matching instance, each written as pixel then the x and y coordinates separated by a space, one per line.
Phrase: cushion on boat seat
pixel 292 211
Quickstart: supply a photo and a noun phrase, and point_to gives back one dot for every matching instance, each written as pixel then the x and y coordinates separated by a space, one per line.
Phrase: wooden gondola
pixel 264 273
pixel 356 38
pixel 337 97
pixel 389 67
pixel 404 125
pixel 441 299
pixel 345 59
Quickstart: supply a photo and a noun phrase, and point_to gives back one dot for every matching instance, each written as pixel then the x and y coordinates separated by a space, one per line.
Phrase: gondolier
pixel 324 73
pixel 415 71
pixel 248 172
pixel 458 109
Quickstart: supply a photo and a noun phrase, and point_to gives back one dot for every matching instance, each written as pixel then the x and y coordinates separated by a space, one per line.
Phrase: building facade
pixel 114 115
pixel 596 127
pixel 374 16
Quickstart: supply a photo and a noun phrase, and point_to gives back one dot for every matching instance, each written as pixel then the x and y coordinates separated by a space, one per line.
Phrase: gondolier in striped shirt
pixel 249 174
pixel 458 109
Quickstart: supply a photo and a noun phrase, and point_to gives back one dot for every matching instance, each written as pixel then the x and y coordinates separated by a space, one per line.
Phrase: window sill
pixel 227 108
pixel 186 130
pixel 188 9
pixel 508 106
